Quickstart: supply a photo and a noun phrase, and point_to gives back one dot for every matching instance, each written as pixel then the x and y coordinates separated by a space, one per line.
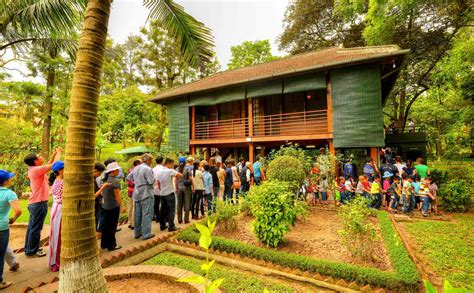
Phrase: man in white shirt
pixel 218 157
pixel 165 183
pixel 156 190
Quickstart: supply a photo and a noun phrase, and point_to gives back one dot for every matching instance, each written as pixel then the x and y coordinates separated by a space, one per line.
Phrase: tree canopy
pixel 250 53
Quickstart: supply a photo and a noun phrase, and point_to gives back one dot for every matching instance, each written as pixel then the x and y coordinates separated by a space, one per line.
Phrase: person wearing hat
pixel 56 210
pixel 8 199
pixel 38 200
pixel 112 205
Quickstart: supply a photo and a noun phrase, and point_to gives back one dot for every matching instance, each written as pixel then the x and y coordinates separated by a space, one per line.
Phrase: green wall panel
pixel 303 83
pixel 266 88
pixel 357 107
pixel 218 97
pixel 178 123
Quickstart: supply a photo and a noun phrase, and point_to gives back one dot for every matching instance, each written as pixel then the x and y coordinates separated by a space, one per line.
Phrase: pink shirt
pixel 39 183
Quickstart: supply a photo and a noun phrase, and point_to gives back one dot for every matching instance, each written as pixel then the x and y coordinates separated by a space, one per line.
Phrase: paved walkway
pixel 34 271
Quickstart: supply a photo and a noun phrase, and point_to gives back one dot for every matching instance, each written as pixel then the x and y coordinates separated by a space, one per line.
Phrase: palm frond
pixel 195 38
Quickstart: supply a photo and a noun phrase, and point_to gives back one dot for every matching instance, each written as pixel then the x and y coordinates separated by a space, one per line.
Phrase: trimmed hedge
pixel 404 277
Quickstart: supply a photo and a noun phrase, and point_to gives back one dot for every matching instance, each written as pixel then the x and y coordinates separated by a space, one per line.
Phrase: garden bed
pixel 316 236
pixel 148 285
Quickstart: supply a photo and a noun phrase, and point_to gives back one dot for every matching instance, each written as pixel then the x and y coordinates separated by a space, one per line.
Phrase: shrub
pixel 293 151
pixel 273 207
pixel 287 169
pixel 456 195
pixel 358 233
pixel 245 207
pixel 226 213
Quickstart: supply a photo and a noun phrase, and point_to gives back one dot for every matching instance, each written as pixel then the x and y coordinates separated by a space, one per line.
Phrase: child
pixel 322 187
pixel 360 190
pixel 433 188
pixel 207 180
pixel 342 190
pixel 349 186
pixel 424 197
pixel 377 191
pixel 387 176
pixel 394 191
pixel 416 190
pixel 407 191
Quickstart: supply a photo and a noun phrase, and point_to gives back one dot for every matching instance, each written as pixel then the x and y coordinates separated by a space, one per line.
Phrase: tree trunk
pixel 48 109
pixel 80 267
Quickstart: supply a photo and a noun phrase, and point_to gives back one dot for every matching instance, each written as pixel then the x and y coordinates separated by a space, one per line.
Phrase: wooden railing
pixel 221 129
pixel 298 123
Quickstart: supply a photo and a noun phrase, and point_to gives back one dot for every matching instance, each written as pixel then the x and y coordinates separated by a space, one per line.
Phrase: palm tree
pixel 80 269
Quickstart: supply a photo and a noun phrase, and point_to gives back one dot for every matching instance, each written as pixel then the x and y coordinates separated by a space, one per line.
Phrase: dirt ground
pixel 145 285
pixel 17 236
pixel 316 236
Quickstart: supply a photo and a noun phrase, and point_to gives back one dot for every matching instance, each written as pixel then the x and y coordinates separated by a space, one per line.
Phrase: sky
pixel 231 21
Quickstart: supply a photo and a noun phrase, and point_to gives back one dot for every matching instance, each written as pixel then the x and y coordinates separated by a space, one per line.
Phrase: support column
pixel 250 116
pixel 329 103
pixel 332 150
pixel 262 152
pixel 374 154
pixel 193 122
pixel 193 150
pixel 208 153
pixel 251 152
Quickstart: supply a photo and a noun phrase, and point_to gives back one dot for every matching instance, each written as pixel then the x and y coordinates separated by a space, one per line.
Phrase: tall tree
pixel 80 268
pixel 250 53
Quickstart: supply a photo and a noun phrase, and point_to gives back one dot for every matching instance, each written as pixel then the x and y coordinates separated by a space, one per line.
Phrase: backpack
pixel 187 181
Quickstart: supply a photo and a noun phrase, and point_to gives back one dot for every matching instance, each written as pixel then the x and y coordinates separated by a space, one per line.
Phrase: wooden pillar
pixel 374 154
pixel 332 150
pixel 193 122
pixel 329 102
pixel 262 152
pixel 250 116
pixel 251 152
pixel 193 150
pixel 208 153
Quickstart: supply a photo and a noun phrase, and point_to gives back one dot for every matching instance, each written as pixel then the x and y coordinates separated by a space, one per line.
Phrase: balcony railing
pixel 222 129
pixel 298 123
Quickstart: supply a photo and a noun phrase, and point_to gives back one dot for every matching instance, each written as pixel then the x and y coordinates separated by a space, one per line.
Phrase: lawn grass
pixel 234 281
pixel 110 149
pixel 448 248
pixel 25 215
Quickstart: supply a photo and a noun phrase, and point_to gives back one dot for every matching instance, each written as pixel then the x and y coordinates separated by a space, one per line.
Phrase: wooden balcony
pixel 280 127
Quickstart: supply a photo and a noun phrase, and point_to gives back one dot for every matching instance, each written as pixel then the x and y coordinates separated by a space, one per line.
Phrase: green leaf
pixel 205 241
pixel 214 285
pixel 193 279
pixel 429 287
pixel 207 266
pixel 212 225
pixel 203 230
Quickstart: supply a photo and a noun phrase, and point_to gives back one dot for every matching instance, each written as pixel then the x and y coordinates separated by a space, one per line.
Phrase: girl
pixel 198 195
pixel 111 205
pixel 342 190
pixel 323 187
pixel 56 212
pixel 387 176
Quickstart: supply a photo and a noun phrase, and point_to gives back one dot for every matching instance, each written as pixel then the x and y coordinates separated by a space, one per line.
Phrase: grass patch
pixel 404 278
pixel 25 214
pixel 234 281
pixel 448 248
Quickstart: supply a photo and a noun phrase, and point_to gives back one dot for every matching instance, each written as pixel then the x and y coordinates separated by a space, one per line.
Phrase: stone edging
pixel 268 268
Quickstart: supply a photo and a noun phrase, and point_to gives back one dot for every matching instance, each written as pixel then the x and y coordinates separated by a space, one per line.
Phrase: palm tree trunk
pixel 48 109
pixel 80 267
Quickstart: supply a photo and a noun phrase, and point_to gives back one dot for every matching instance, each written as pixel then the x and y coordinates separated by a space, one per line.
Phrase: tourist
pixel 208 189
pixel 184 189
pixel 112 205
pixel 389 167
pixel 416 190
pixel 245 177
pixel 424 194
pixel 411 126
pixel 198 194
pixel 131 203
pixel 156 190
pixel 387 181
pixel 258 171
pixel 422 169
pixel 349 188
pixel 99 168
pixel 370 169
pixel 221 176
pixel 394 191
pixel 236 181
pixel 213 169
pixel 229 181
pixel 323 189
pixel 8 199
pixel 360 188
pixel 409 169
pixel 376 191
pixel 144 197
pixel 11 260
pixel 407 193
pixel 218 157
pixel 399 164
pixel 165 182
pixel 433 193
pixel 121 175
pixel 342 190
pixel 38 201
pixel 350 169
pixel 240 166
pixel 56 212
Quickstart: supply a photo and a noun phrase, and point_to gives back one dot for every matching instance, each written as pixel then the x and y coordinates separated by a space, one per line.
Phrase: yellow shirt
pixel 375 188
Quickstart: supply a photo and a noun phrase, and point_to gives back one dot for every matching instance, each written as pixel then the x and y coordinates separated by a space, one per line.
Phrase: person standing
pixel 370 169
pixel 131 203
pixel 184 187
pixel 245 177
pixel 258 172
pixel 198 194
pixel 221 176
pixel 229 181
pixel 38 201
pixel 422 169
pixel 165 179
pixel 144 197
pixel 213 169
pixel 111 206
pixel 56 216
pixel 99 168
pixel 411 126
pixel 208 190
pixel 236 180
pixel 156 191
pixel 8 199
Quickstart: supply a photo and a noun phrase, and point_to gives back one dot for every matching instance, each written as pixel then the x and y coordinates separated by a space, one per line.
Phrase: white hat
pixel 112 167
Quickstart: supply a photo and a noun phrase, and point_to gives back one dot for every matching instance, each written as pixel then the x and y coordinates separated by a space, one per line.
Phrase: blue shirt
pixel 369 171
pixel 207 179
pixel 6 197
pixel 256 169
pixel 416 186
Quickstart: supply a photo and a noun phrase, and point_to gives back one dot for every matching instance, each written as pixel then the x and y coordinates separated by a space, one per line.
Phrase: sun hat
pixel 190 159
pixel 387 174
pixel 5 175
pixel 59 165
pixel 112 167
pixel 182 160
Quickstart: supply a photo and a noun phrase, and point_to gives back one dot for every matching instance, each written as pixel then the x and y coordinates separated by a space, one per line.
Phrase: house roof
pixel 316 60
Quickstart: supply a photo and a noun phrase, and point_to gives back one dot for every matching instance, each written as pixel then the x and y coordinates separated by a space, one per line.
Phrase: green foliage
pixel 286 169
pixel 250 53
pixel 292 150
pixel 358 233
pixel 447 288
pixel 245 206
pixel 446 247
pixel 226 214
pixel 456 195
pixel 274 210
pixel 234 281
pixel 404 277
